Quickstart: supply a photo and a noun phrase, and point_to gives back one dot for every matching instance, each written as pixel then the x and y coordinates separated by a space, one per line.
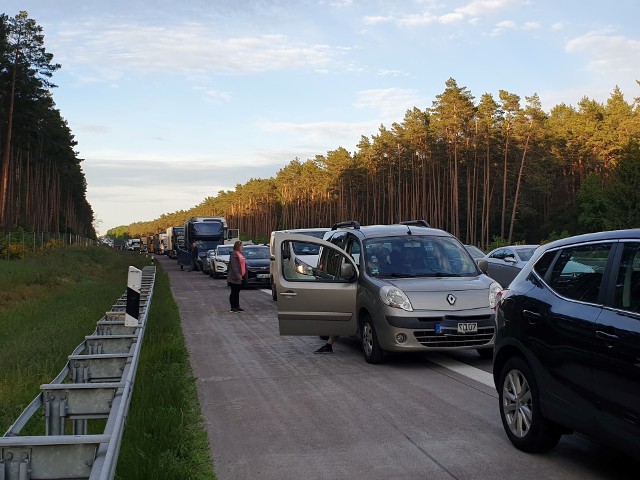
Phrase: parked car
pixel 504 263
pixel 219 261
pixel 475 252
pixel 257 262
pixel 402 288
pixel 302 256
pixel 567 351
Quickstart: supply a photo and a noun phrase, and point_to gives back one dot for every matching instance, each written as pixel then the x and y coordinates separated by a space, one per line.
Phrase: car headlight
pixel 394 297
pixel 494 290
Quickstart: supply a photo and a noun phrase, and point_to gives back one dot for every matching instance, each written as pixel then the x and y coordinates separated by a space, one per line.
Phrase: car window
pixel 256 253
pixel 417 256
pixel 627 293
pixel 328 268
pixel 525 253
pixel 303 248
pixel 544 262
pixel 354 250
pixel 577 273
pixel 499 254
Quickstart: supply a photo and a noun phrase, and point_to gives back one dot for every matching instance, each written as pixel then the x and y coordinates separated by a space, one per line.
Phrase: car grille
pixel 449 337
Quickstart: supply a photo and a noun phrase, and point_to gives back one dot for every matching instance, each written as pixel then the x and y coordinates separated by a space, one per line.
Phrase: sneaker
pixel 326 348
pixel 234 310
pixel 239 309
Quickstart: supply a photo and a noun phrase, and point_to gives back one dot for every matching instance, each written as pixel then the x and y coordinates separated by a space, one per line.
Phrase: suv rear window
pixel 577 273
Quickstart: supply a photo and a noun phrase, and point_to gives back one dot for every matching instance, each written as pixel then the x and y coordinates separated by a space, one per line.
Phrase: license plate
pixel 262 275
pixel 467 327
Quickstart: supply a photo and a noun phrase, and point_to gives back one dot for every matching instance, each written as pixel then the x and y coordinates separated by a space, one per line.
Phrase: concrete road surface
pixel 276 411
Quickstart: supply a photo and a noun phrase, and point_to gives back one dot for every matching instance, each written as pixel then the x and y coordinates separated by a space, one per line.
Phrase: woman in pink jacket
pixel 236 274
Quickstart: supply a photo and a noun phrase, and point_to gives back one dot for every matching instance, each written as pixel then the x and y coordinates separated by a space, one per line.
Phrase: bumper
pixel 449 331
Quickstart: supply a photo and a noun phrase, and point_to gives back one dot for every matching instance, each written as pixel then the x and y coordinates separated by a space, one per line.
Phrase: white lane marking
pixel 463 369
pixel 265 291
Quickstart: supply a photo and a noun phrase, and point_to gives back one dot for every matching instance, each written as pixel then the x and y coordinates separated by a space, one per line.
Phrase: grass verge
pixel 47 306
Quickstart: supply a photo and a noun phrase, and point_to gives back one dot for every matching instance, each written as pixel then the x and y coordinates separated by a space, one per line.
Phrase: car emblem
pixel 451 299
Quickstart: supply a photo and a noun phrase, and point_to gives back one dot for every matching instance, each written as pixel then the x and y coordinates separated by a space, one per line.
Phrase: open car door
pixel 314 299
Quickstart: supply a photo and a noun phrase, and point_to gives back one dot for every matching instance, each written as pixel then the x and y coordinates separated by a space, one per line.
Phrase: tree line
pixel 496 168
pixel 42 186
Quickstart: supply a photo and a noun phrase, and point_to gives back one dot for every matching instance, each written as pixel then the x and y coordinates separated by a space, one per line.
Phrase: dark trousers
pixel 234 296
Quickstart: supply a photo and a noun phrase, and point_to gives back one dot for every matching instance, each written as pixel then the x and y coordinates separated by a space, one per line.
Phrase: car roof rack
pixel 416 223
pixel 351 223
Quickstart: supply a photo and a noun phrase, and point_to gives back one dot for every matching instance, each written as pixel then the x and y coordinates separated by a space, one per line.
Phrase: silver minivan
pixel 400 288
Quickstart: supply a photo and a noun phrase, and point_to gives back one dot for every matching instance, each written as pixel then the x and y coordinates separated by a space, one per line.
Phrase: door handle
pixel 288 294
pixel 532 316
pixel 610 337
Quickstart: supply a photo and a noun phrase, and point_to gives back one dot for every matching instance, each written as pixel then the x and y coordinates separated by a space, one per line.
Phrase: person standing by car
pixel 236 275
pixel 194 257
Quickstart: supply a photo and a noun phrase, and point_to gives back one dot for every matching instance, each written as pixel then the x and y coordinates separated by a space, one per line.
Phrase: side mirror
pixel 510 259
pixel 347 271
pixel 483 265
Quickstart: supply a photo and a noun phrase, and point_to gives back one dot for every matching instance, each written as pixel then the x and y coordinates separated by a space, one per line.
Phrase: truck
pixel 162 247
pixel 207 233
pixel 175 237
pixel 133 244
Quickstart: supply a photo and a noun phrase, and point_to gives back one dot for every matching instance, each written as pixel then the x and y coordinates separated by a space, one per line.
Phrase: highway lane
pixel 274 410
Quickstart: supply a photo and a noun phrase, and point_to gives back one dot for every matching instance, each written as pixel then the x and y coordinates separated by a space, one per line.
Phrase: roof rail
pixel 351 223
pixel 416 223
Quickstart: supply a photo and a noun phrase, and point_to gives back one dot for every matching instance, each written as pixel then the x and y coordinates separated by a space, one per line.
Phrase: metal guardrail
pixel 95 384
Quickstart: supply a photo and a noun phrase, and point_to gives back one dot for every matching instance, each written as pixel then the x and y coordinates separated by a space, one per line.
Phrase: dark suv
pixel 567 354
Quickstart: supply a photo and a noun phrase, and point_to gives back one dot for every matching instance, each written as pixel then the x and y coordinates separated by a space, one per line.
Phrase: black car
pixel 567 353
pixel 257 261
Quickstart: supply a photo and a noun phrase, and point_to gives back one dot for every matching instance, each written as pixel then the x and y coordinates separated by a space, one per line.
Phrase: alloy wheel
pixel 517 403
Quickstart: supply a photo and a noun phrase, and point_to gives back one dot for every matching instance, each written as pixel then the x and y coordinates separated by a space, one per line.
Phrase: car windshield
pixel 418 256
pixel 525 253
pixel 255 252
pixel 225 250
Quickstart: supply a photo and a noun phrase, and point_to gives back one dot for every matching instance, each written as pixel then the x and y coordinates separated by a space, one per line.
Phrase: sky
pixel 171 102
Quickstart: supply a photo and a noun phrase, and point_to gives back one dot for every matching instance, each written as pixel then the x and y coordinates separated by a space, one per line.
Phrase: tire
pixel 274 293
pixel 520 411
pixel 181 267
pixel 370 346
pixel 214 274
pixel 485 352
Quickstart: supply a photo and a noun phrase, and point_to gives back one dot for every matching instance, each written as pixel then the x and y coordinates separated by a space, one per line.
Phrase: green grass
pixel 49 303
pixel 164 437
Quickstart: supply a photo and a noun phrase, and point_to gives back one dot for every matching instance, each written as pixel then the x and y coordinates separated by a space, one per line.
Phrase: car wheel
pixel 214 274
pixel 370 346
pixel 485 352
pixel 274 293
pixel 520 411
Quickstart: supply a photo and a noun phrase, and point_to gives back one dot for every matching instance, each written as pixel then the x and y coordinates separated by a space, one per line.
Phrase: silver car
pixel 400 288
pixel 504 263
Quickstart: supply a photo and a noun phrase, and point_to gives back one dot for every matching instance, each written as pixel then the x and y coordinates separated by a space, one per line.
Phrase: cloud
pixel 346 134
pixel 113 50
pixel 389 102
pixel 503 26
pixel 432 13
pixel 607 52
